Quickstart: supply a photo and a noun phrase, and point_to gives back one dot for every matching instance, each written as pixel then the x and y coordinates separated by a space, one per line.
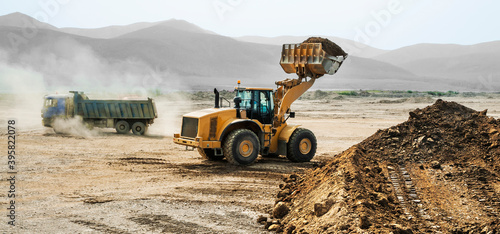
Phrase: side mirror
pixel 291 115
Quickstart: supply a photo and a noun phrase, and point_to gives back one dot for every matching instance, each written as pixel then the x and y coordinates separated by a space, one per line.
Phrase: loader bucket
pixel 309 60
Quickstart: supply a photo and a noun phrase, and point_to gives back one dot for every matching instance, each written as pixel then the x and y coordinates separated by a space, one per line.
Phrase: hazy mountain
pixel 351 47
pixel 469 66
pixel 22 21
pixel 115 31
pixel 426 51
pixel 188 52
pixel 175 54
pixel 107 32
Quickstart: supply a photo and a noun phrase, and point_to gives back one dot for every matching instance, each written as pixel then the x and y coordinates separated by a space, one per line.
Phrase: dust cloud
pixel 75 127
pixel 170 109
pixel 68 65
pixel 21 96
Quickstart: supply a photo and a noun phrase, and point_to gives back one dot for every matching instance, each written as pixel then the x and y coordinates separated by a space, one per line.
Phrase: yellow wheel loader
pixel 257 122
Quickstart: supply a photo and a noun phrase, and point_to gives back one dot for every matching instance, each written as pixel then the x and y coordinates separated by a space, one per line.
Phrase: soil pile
pixel 436 172
pixel 328 46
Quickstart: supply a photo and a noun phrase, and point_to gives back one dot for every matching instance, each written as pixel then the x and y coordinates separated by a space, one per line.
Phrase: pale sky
pixel 385 24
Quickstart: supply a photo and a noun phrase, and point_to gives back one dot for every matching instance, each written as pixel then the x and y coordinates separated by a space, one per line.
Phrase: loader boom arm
pixel 286 95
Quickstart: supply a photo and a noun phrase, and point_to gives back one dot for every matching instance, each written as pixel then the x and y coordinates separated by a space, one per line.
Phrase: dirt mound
pixel 436 172
pixel 328 46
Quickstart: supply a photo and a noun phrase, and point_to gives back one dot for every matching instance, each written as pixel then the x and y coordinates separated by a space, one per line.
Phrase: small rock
pixel 367 169
pixel 435 165
pixel 420 140
pixel 262 219
pixel 268 224
pixel 321 208
pixel 280 210
pixel 283 193
pixel 414 115
pixel 383 202
pixel 273 227
pixel 290 229
pixel 364 223
pixel 394 132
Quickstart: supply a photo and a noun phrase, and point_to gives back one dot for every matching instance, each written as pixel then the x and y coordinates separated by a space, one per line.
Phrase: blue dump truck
pixel 122 115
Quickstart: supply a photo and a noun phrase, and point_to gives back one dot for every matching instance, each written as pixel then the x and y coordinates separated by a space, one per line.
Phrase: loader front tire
pixel 209 154
pixel 241 147
pixel 122 127
pixel 301 146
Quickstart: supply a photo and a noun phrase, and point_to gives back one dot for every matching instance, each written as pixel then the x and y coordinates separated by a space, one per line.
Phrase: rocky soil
pixel 438 172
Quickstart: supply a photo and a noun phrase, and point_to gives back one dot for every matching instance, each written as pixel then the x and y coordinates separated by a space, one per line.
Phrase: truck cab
pixel 56 106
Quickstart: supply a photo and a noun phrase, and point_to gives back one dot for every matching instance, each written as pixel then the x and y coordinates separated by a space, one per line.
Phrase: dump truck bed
pixel 119 109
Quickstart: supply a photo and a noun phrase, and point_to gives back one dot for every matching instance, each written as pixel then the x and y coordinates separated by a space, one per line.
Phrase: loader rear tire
pixel 139 128
pixel 301 146
pixel 241 147
pixel 122 127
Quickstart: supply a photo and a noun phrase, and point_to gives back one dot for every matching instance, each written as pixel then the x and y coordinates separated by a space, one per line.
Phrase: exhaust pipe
pixel 216 98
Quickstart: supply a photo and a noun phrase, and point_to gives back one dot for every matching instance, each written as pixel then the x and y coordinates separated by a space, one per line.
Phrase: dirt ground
pixel 110 183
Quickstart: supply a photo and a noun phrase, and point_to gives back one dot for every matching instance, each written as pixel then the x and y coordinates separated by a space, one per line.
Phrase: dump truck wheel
pixel 139 128
pixel 122 127
pixel 209 154
pixel 241 147
pixel 301 146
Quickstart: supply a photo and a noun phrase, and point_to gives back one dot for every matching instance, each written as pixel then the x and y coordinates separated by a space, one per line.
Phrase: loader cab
pixel 258 103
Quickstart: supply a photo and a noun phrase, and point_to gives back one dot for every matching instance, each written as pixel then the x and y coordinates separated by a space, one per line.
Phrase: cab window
pixel 50 102
pixel 246 97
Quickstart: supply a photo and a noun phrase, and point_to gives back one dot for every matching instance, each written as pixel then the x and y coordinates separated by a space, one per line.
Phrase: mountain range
pixel 175 54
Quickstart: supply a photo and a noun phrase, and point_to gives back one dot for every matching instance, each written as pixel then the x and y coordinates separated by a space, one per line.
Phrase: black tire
pixel 139 128
pixel 122 127
pixel 209 154
pixel 301 146
pixel 241 147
